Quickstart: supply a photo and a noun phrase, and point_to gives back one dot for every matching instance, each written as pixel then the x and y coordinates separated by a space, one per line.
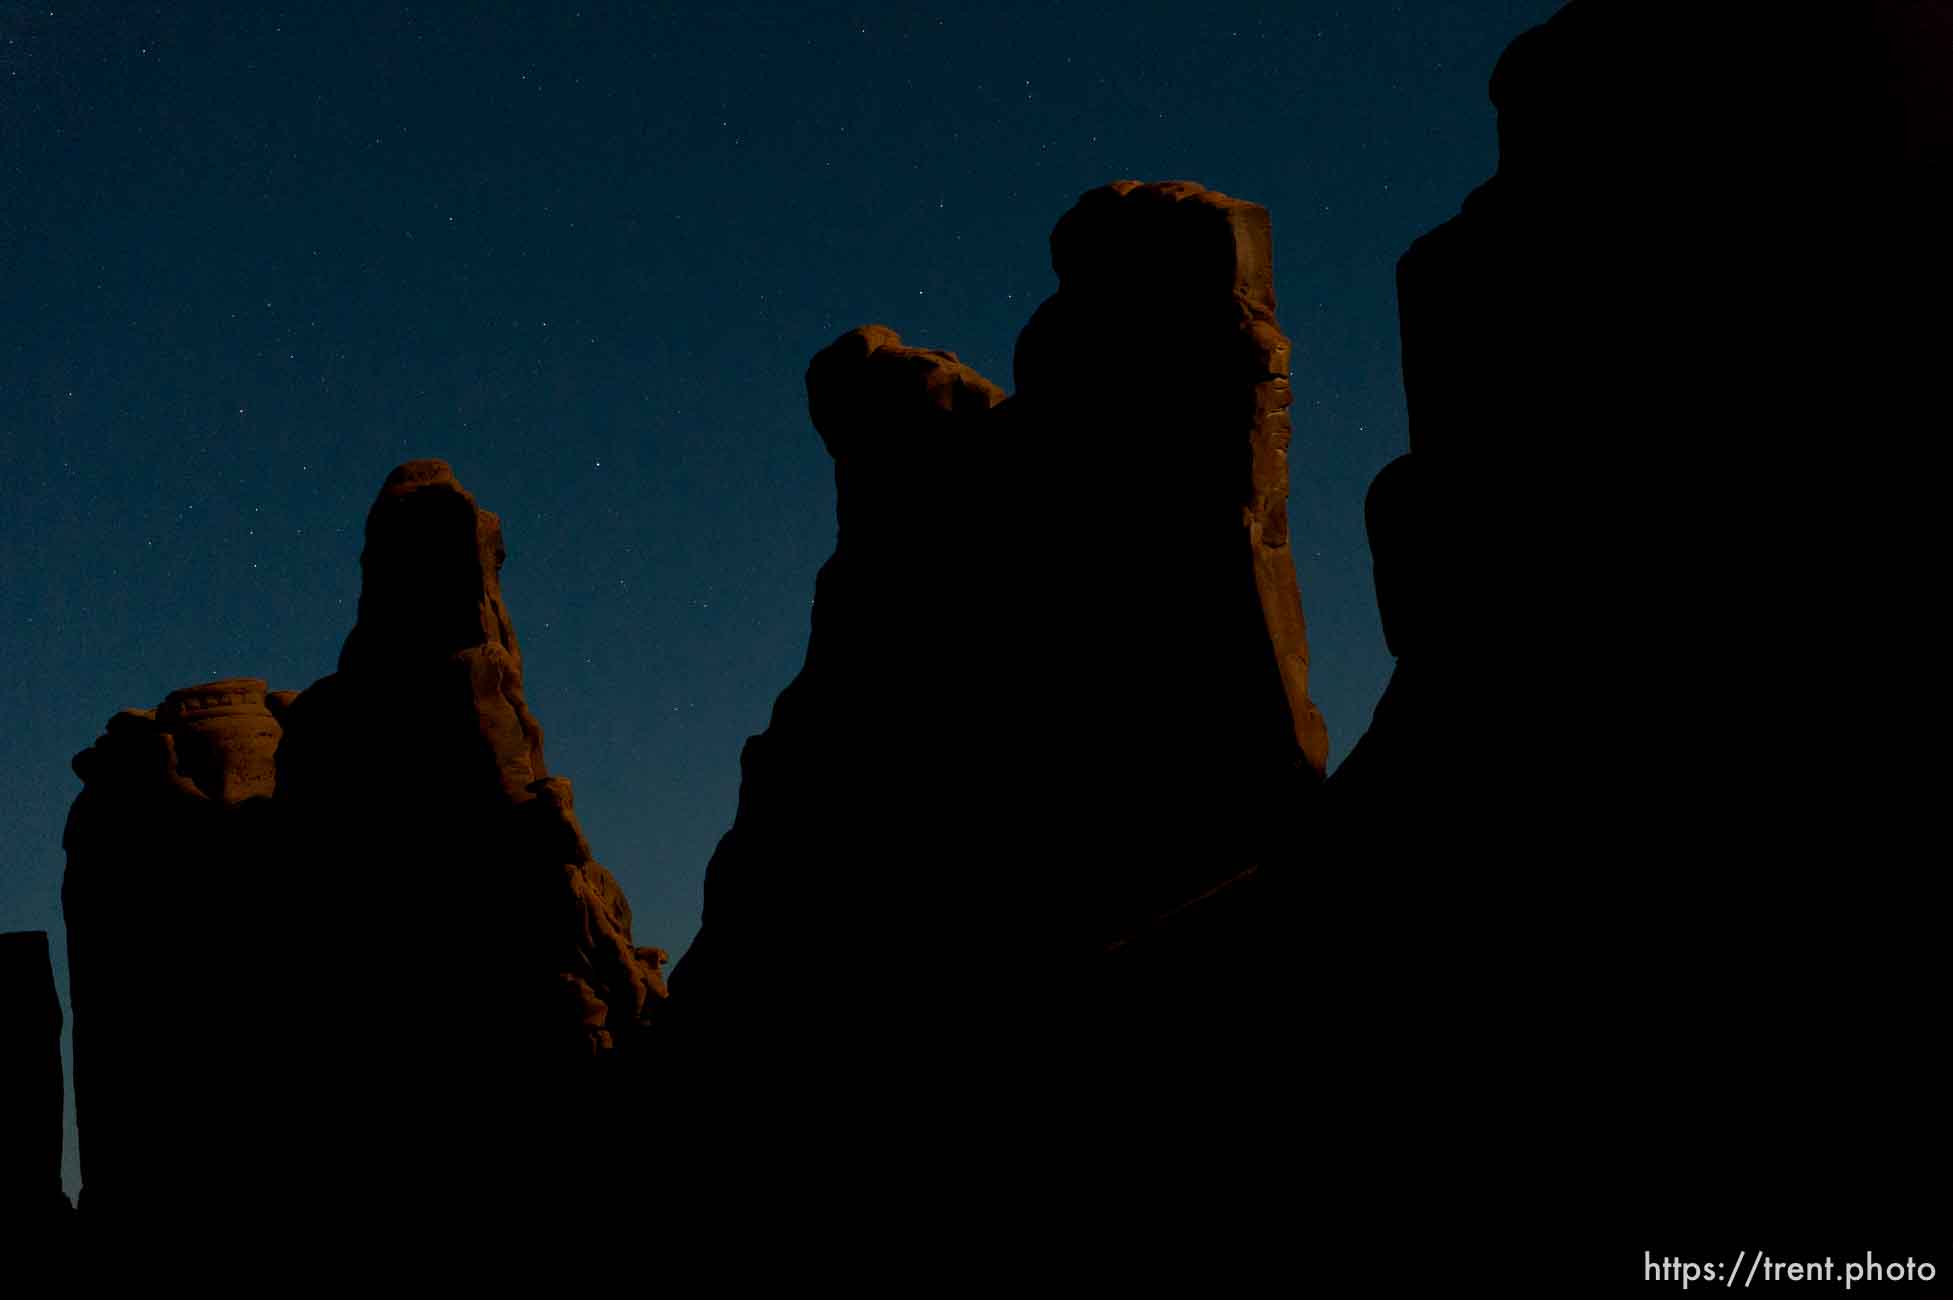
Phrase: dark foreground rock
pixel 1631 843
pixel 32 1100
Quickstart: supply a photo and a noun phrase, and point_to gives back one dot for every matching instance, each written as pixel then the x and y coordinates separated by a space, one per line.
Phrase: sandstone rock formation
pixel 426 729
pixel 313 935
pixel 1057 681
pixel 172 902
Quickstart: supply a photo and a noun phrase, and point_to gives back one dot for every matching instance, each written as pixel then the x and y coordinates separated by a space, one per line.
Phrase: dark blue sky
pixel 254 259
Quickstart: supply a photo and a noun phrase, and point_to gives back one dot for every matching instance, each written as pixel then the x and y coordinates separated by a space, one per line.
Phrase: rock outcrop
pixel 425 731
pixel 1057 684
pixel 1629 362
pixel 1662 520
pixel 174 903
pixel 316 935
pixel 32 1100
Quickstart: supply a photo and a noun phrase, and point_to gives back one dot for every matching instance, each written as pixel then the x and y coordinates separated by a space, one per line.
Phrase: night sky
pixel 252 260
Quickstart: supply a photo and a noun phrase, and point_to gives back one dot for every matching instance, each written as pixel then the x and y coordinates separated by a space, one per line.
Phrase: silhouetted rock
pixel 1057 679
pixel 32 1204
pixel 1651 572
pixel 499 965
pixel 360 923
pixel 171 884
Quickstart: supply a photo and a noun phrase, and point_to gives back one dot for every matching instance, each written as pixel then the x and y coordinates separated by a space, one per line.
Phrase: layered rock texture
pixel 1057 685
pixel 1664 520
pixel 318 935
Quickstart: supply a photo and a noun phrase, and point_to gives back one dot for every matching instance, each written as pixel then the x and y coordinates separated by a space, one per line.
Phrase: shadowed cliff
pixel 1637 815
pixel 1057 680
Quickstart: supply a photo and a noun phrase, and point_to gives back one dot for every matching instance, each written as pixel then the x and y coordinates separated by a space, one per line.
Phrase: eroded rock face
pixel 361 922
pixel 432 638
pixel 1162 340
pixel 1057 681
pixel 426 729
